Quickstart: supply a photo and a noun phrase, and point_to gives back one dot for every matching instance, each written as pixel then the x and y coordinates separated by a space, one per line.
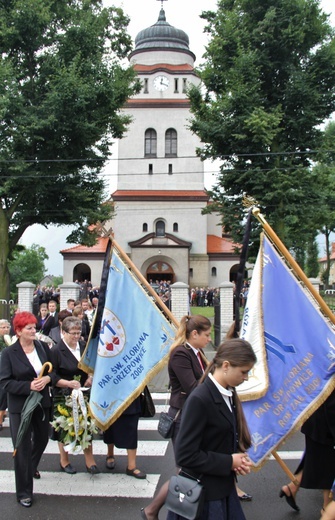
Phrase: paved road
pixel 114 495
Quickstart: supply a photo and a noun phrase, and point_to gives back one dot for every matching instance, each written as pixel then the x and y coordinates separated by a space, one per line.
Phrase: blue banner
pixel 299 347
pixel 132 345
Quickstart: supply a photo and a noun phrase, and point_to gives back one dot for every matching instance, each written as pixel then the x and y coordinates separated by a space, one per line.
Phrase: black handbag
pixel 185 497
pixel 166 424
pixel 147 404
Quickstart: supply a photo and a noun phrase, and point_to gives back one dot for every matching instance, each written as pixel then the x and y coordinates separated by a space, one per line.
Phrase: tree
pixel 312 263
pixel 267 83
pixel 324 172
pixel 26 265
pixel 62 84
pixel 56 281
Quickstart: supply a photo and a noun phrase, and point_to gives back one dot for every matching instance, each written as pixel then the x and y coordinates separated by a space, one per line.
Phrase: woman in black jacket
pixel 213 437
pixel 21 364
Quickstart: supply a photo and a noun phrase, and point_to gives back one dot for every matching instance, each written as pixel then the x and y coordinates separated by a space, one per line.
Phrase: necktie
pixel 200 361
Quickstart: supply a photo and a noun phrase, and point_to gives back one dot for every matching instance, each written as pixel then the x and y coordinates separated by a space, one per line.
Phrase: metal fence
pixel 5 309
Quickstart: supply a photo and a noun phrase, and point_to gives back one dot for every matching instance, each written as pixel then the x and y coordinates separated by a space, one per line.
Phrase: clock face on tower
pixel 161 83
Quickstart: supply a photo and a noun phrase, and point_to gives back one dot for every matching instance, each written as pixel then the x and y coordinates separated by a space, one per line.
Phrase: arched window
pixel 171 143
pixel 145 227
pixel 213 271
pixel 175 227
pixel 160 228
pixel 150 143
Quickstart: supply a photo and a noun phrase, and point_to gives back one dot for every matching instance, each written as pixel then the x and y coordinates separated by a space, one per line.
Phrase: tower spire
pixel 162 2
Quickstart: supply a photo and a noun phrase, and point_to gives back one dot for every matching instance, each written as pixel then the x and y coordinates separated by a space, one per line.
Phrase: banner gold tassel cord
pixel 144 282
pixel 301 275
pixel 296 268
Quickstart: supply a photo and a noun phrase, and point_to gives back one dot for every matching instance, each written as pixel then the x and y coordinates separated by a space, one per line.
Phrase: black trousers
pixel 31 449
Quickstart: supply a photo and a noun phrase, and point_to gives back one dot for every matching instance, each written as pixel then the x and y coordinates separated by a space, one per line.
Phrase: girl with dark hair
pixel 186 366
pixel 213 437
pixel 187 362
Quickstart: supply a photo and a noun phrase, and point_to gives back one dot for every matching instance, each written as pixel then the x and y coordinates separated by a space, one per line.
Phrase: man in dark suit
pixel 52 308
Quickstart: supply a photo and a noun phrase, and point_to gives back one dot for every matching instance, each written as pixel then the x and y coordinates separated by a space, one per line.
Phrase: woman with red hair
pixel 21 364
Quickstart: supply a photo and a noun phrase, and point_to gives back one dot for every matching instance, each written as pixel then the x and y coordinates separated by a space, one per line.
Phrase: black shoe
pixel 94 470
pixel 37 474
pixel 68 469
pixel 245 497
pixel 289 499
pixel 135 473
pixel 26 502
pixel 143 515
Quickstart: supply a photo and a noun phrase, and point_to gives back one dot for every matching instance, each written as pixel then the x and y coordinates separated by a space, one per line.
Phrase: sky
pixel 183 14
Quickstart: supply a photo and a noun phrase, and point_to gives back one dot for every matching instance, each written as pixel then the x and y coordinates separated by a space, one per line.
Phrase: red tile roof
pixel 220 245
pixel 215 244
pixel 157 103
pixel 160 195
pixel 163 66
pixel 332 254
pixel 99 247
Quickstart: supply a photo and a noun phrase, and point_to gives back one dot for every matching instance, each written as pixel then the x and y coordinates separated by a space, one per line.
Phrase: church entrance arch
pixel 81 272
pixel 234 271
pixel 160 271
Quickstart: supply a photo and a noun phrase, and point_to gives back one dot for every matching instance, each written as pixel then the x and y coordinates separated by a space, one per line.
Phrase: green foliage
pixel 62 85
pixel 312 264
pixel 267 84
pixel 324 174
pixel 57 281
pixel 27 265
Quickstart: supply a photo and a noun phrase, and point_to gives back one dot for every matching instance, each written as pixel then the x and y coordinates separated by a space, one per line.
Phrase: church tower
pixel 160 191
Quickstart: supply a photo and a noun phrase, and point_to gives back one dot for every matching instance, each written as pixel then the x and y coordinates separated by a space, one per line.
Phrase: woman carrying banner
pixel 186 366
pixel 316 469
pixel 214 436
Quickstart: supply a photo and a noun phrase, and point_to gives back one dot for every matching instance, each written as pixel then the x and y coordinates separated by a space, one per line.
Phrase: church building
pixel 160 190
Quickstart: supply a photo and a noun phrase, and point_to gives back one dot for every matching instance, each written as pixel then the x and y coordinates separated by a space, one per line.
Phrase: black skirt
pixel 317 465
pixel 123 433
pixel 228 508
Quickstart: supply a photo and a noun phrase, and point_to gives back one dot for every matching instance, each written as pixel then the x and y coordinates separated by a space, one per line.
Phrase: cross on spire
pixel 161 1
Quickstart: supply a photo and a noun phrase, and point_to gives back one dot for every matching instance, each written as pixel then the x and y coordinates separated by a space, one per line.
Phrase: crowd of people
pixel 210 437
pixel 203 297
pixel 59 338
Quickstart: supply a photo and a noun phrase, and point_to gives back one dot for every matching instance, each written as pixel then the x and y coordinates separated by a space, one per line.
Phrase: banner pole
pixel 283 466
pixel 297 269
pixel 140 276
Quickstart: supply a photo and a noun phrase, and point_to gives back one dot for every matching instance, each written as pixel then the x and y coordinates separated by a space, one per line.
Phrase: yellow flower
pixel 63 411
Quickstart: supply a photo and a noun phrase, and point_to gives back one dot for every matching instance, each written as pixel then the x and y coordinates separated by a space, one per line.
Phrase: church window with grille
pixel 160 228
pixel 171 143
pixel 150 143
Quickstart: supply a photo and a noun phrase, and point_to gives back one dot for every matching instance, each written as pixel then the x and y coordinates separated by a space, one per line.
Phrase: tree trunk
pixel 327 233
pixel 4 254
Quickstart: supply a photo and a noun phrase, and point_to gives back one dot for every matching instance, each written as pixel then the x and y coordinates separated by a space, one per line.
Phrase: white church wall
pixel 214 225
pixel 222 271
pixel 130 217
pixel 94 265
pixel 199 270
pixel 188 170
